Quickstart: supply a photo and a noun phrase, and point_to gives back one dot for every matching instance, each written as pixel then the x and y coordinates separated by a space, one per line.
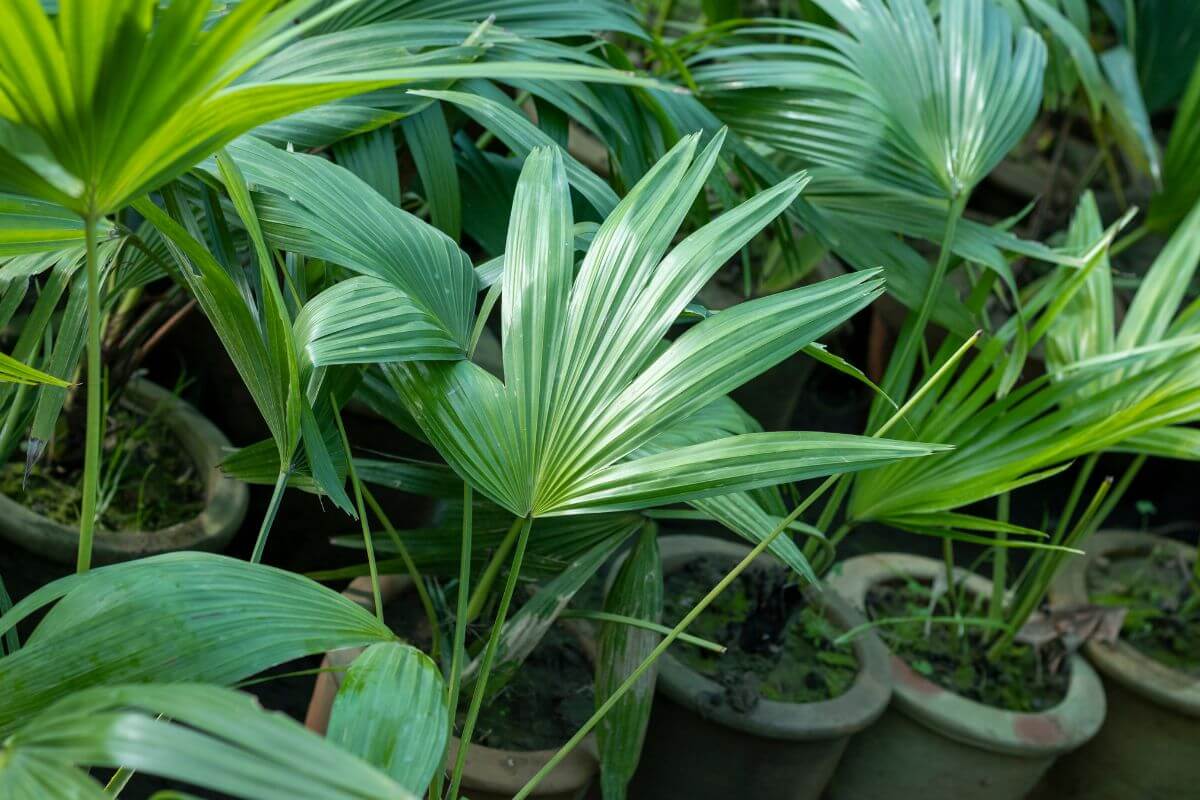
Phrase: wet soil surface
pixel 1162 596
pixel 1023 678
pixel 779 646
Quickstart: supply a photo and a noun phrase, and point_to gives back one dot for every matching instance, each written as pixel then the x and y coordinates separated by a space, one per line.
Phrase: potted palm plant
pixel 1149 672
pixel 773 714
pixel 161 489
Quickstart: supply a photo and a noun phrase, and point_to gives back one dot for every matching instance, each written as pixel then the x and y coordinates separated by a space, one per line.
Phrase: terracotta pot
pixel 1150 741
pixel 701 751
pixel 490 773
pixel 224 505
pixel 934 744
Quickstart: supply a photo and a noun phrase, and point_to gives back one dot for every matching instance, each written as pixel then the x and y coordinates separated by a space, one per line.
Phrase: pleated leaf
pixel 636 592
pixel 207 736
pixel 174 617
pixel 390 711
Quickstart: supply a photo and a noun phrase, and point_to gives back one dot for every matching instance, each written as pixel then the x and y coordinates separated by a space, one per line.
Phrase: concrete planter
pixel 936 745
pixel 778 751
pixel 224 509
pixel 490 773
pixel 1150 741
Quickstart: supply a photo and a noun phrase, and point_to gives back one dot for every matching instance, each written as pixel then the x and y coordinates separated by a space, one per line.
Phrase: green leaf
pixel 736 463
pixel 202 735
pixel 390 711
pixel 522 137
pixel 635 592
pixel 174 617
pixel 13 371
pixel 429 142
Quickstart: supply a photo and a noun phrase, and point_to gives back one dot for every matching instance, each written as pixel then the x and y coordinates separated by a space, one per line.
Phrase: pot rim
pixel 225 499
pixel 1121 661
pixel 1046 733
pixel 853 710
pixel 488 769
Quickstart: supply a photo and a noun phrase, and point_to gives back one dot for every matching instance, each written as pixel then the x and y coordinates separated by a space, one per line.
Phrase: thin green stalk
pixel 999 562
pixel 362 514
pixel 410 566
pixel 1085 474
pixel 480 594
pixel 1116 494
pixel 489 656
pixel 1029 595
pixel 260 544
pixel 460 619
pixel 1129 239
pixel 95 420
pixel 644 624
pixel 724 583
pixel 902 362
pixel 948 566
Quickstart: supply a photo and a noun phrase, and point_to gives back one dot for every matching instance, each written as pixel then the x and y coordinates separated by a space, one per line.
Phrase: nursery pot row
pixel 893 733
pixel 225 499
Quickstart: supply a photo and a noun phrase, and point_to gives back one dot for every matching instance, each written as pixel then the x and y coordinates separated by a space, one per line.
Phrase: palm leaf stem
pixel 903 360
pixel 460 620
pixel 479 595
pixel 260 544
pixel 410 566
pixel 523 525
pixel 95 388
pixel 362 513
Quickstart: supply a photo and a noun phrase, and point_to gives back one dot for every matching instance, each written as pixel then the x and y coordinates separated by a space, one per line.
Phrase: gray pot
pixel 224 507
pixel 936 745
pixel 1150 741
pixel 778 751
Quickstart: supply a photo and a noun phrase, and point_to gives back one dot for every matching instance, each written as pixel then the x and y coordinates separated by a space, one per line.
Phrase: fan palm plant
pixel 896 105
pixel 109 100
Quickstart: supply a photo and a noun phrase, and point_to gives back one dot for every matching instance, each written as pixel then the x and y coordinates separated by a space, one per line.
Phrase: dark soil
pixel 543 703
pixel 1023 678
pixel 779 647
pixel 1163 599
pixel 149 478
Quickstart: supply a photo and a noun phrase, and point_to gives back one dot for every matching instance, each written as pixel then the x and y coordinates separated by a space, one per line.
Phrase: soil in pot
pixel 1163 601
pixel 541 706
pixel 149 482
pixel 779 647
pixel 1024 678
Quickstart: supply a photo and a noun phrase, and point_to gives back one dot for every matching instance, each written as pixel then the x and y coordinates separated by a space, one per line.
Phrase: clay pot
pixel 701 751
pixel 490 773
pixel 1150 740
pixel 224 507
pixel 936 745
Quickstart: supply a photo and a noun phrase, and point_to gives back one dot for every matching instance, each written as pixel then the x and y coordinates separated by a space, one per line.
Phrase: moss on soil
pixel 1163 599
pixel 1023 678
pixel 157 487
pixel 779 647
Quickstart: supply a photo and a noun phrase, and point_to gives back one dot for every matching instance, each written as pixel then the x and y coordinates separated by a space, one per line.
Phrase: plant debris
pixel 1024 677
pixel 1162 602
pixel 779 646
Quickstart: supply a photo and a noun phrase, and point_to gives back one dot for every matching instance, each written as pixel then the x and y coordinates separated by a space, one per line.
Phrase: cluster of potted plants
pixel 565 249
